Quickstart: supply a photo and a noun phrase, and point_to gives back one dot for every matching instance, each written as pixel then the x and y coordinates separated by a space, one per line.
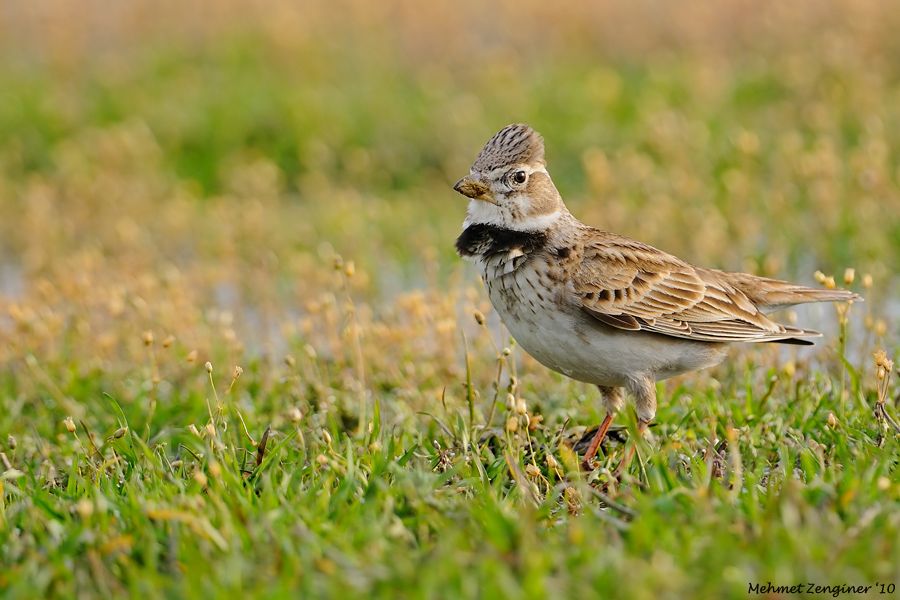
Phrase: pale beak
pixel 473 188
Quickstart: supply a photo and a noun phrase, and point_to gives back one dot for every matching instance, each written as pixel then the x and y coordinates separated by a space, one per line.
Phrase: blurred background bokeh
pixel 196 168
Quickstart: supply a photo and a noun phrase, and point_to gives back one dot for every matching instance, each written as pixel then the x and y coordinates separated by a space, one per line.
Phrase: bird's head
pixel 508 183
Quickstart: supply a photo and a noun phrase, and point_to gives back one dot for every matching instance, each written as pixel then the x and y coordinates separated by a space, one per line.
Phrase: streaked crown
pixel 516 143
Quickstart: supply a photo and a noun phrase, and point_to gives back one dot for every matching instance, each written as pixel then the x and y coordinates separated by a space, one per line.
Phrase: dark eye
pixel 519 177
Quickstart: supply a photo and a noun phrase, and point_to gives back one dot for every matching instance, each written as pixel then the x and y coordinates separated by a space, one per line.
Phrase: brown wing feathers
pixel 632 286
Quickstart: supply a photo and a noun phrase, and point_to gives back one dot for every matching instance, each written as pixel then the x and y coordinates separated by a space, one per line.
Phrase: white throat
pixel 485 213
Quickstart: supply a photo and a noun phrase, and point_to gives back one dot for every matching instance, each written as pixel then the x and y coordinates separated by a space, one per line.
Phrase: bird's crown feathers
pixel 516 143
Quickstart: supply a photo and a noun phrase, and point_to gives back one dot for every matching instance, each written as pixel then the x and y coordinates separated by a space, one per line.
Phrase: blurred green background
pixel 770 129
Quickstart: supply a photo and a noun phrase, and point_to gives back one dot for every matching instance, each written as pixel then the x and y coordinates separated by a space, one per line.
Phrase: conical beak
pixel 474 188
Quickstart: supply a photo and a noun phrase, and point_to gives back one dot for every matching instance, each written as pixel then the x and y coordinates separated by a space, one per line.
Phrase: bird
pixel 599 307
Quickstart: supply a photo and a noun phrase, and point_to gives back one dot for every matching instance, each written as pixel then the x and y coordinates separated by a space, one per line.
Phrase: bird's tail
pixel 772 294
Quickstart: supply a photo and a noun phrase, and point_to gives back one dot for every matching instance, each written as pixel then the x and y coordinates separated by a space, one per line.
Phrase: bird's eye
pixel 519 176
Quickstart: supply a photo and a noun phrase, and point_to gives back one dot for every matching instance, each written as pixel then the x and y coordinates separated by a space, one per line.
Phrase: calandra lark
pixel 599 307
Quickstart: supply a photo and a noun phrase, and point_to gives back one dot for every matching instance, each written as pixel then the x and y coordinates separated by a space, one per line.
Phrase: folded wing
pixel 633 286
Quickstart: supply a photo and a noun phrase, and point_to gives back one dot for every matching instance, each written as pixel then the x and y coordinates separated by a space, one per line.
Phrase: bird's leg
pixel 595 442
pixel 623 466
pixel 612 398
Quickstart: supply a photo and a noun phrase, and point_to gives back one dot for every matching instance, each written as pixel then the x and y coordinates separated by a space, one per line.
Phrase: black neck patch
pixel 485 240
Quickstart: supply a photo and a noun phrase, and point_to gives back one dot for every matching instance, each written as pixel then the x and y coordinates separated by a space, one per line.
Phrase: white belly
pixel 560 336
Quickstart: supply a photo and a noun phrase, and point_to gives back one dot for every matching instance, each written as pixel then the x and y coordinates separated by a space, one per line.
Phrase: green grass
pixel 271 191
pixel 737 487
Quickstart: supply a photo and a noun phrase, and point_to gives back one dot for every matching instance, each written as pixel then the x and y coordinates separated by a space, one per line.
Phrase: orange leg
pixel 595 442
pixel 623 466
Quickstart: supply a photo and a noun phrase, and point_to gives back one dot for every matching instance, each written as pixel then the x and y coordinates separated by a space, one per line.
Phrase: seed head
pixel 168 341
pixel 295 415
pixel 832 420
pixel 208 367
pixel 512 424
pixel 237 372
pixel 200 477
pixel 521 407
pixel 849 275
pixel 192 357
pixel 882 360
pixel 479 316
pixel 148 338
pixel 120 433
pixel 11 442
pixel 193 429
pixel 211 430
pixel 289 360
pixel 84 508
pixel 532 471
pixel 69 422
